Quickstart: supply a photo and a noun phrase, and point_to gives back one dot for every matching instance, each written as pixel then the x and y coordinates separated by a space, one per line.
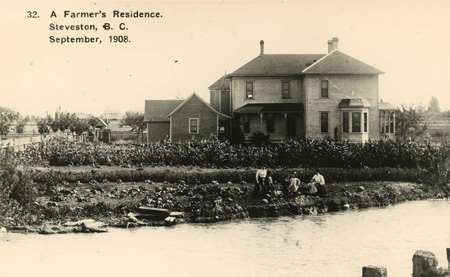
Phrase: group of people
pixel 293 185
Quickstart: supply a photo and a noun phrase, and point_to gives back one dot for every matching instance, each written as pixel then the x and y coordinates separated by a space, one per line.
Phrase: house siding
pixel 220 100
pixel 266 90
pixel 339 87
pixel 194 108
pixel 157 131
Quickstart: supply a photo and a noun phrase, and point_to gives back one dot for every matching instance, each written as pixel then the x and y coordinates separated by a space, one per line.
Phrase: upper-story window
pixel 324 88
pixel 249 90
pixel 285 89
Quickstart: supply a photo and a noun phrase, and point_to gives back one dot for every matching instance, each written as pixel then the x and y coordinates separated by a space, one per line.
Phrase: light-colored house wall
pixel 265 89
pixel 340 87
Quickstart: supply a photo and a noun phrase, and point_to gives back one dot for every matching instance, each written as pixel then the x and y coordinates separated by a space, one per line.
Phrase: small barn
pixel 181 120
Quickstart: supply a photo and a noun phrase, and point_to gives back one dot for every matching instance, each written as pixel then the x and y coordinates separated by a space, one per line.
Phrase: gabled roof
pixel 337 62
pixel 222 83
pixel 158 110
pixel 276 65
pixel 201 100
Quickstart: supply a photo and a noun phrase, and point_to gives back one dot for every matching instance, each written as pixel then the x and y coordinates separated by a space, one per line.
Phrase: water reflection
pixel 339 243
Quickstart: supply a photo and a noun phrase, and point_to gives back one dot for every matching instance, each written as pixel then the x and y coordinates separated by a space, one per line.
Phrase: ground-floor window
pixel 365 122
pixel 246 125
pixel 387 122
pixel 355 121
pixel 270 124
pixel 324 122
pixel 345 122
pixel 194 125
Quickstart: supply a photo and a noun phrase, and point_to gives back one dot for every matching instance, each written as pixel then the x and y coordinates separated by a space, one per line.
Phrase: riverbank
pixel 63 206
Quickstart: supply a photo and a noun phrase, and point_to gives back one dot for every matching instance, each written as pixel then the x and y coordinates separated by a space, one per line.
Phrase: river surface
pixel 337 244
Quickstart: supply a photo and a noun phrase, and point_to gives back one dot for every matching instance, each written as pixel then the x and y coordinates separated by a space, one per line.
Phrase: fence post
pixel 374 271
pixel 424 263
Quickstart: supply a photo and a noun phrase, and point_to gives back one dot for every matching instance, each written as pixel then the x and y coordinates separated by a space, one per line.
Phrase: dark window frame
pixel 285 92
pixel 324 126
pixel 270 125
pixel 345 122
pixel 246 125
pixel 356 128
pixel 365 122
pixel 250 92
pixel 324 89
pixel 197 125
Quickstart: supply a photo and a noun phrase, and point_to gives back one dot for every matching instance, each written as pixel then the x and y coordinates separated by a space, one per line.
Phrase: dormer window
pixel 324 88
pixel 249 90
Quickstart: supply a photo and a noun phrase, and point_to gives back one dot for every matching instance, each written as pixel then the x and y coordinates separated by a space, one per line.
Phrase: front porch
pixel 278 120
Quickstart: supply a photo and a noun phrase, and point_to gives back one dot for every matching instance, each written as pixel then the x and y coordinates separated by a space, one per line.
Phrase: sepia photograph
pixel 228 138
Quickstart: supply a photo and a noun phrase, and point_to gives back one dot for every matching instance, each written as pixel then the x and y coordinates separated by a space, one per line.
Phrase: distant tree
pixel 434 107
pixel 7 116
pixel 43 126
pixel 21 122
pixel 135 120
pixel 410 123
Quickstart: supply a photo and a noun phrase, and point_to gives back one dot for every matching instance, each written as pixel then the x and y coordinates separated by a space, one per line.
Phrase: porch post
pixel 393 116
pixel 389 122
pixel 261 122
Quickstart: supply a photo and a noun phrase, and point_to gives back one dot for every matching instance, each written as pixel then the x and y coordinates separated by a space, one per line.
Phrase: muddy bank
pixel 66 206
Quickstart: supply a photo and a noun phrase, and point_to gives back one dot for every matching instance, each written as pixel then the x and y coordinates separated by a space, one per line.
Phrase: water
pixel 327 245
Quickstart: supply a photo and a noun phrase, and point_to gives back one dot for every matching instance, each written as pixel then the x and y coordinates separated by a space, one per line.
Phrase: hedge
pixel 212 153
pixel 334 175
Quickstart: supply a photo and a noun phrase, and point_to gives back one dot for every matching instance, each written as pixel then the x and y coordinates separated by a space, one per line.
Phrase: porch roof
pixel 258 108
pixel 354 103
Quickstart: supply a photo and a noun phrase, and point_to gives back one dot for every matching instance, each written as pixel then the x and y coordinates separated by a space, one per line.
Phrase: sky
pixel 408 40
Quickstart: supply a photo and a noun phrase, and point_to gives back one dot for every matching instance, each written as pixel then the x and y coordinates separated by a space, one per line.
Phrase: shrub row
pixel 236 176
pixel 295 153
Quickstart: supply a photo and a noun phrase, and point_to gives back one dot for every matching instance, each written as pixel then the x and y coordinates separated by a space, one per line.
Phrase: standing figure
pixel 319 181
pixel 294 184
pixel 261 175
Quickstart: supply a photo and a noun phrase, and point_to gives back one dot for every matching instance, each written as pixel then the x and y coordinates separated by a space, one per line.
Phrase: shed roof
pixel 158 110
pixel 386 106
pixel 221 83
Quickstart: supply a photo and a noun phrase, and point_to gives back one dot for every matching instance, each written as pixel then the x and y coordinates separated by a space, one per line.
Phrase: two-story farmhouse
pixel 329 95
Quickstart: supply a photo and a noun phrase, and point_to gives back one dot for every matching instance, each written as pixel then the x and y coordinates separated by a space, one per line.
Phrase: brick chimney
pixel 333 44
pixel 261 47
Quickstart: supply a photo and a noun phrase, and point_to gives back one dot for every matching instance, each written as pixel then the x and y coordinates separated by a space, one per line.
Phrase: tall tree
pixel 135 120
pixel 410 123
pixel 43 126
pixel 434 107
pixel 7 116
